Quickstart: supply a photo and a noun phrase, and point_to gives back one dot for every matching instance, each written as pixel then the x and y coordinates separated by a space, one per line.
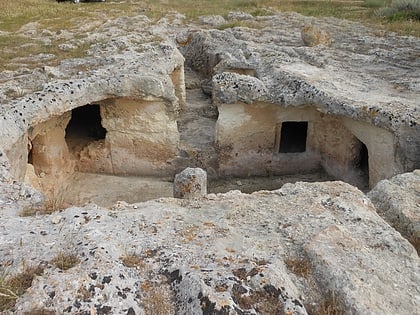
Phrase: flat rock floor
pixel 106 190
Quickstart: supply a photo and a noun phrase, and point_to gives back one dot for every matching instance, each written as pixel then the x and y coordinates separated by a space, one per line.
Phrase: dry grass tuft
pixel 300 266
pixel 39 311
pixel 13 287
pixel 84 294
pixel 65 261
pixel 189 233
pixel 331 306
pixel 265 301
pixel 133 261
pixel 157 298
pixel 51 205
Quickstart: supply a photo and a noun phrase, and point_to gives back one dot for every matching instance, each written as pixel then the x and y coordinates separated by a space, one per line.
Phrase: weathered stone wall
pixel 381 147
pixel 250 68
pixel 149 72
pixel 178 81
pixel 245 137
pixel 17 155
pixel 48 160
pixel 290 75
pixel 397 201
pixel 142 137
pixel 339 149
pixel 95 158
pixel 248 139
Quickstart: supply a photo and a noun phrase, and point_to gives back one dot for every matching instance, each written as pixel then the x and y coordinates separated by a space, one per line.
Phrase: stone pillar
pixel 190 183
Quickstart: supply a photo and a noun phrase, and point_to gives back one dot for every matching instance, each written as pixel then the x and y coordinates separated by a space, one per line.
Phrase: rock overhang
pixel 333 225
pixel 146 77
pixel 258 66
pixel 253 72
pixel 285 78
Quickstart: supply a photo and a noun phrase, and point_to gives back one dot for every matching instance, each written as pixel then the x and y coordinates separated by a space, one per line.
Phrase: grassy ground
pixel 55 16
pixel 14 14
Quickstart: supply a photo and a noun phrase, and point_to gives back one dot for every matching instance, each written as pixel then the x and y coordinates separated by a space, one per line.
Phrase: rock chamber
pixel 262 118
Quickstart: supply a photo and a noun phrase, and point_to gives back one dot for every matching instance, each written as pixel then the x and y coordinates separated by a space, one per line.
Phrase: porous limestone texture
pixel 358 97
pixel 354 105
pixel 397 200
pixel 190 183
pixel 267 77
pixel 138 85
pixel 233 254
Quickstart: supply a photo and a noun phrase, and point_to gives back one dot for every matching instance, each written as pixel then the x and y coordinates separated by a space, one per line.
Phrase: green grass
pixel 401 10
pixel 375 3
pixel 55 17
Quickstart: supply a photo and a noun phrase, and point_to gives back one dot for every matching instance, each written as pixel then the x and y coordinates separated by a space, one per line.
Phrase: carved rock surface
pixel 234 253
pixel 398 202
pixel 356 77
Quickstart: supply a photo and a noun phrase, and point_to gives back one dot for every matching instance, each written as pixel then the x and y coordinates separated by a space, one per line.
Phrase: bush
pixel 401 10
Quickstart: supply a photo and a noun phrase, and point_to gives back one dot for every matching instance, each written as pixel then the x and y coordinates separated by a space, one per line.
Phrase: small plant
pixel 30 211
pixel 51 205
pixel 189 233
pixel 375 3
pixel 65 261
pixel 133 261
pixel 11 288
pixel 331 305
pixel 84 294
pixel 299 266
pixel 15 92
pixel 157 298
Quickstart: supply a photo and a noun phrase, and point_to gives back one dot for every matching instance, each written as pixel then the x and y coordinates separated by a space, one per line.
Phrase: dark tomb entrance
pixel 85 126
pixel 362 165
pixel 293 136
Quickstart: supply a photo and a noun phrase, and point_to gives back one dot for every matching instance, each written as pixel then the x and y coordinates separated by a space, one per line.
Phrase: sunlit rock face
pixel 242 102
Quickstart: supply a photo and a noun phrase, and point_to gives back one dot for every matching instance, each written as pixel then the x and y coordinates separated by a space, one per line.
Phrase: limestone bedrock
pixel 230 253
pixel 362 89
pixel 230 246
pixel 398 202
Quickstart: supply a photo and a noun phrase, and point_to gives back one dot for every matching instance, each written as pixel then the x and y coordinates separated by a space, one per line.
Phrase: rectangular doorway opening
pixel 293 136
pixel 362 166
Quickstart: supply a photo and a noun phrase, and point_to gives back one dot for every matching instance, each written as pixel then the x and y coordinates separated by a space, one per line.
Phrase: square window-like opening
pixel 293 136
